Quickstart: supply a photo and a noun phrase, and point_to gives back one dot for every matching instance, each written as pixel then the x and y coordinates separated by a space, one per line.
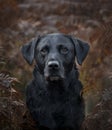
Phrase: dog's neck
pixel 64 84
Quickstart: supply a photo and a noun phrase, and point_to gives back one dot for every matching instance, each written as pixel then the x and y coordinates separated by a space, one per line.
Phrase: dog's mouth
pixel 54 78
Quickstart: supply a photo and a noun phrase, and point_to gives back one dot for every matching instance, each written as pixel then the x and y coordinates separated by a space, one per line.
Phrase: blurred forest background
pixel 22 20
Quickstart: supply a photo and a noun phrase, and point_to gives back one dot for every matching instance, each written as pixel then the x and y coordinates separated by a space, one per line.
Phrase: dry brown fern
pixel 99 58
pixel 96 72
pixel 8 12
pixel 6 80
pixel 103 36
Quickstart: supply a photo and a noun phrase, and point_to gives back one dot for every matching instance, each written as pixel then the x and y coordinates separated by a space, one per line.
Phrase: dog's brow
pixel 43 42
pixel 46 45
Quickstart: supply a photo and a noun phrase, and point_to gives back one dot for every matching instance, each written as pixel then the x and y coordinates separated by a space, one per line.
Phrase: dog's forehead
pixel 55 39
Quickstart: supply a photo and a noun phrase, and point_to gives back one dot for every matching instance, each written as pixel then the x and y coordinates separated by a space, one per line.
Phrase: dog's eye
pixel 44 51
pixel 64 50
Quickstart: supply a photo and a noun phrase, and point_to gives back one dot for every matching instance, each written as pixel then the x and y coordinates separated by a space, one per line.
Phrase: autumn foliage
pixel 8 12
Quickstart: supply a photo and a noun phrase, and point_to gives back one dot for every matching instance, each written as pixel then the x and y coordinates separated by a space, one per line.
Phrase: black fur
pixel 54 95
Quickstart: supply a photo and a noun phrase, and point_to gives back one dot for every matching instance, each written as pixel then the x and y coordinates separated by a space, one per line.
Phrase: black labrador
pixel 54 95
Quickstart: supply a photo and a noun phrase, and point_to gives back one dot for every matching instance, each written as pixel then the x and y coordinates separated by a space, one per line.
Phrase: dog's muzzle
pixel 53 71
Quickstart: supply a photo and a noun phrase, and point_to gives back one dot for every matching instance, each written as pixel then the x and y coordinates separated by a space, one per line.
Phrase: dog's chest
pixel 55 108
pixel 60 104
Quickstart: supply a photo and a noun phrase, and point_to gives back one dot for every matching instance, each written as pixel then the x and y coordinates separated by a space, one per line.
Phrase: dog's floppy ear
pixel 28 50
pixel 81 49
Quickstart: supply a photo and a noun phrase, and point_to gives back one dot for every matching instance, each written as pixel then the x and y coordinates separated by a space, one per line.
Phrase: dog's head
pixel 55 54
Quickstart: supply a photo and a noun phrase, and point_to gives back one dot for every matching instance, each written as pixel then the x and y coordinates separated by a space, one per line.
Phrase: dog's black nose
pixel 53 64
